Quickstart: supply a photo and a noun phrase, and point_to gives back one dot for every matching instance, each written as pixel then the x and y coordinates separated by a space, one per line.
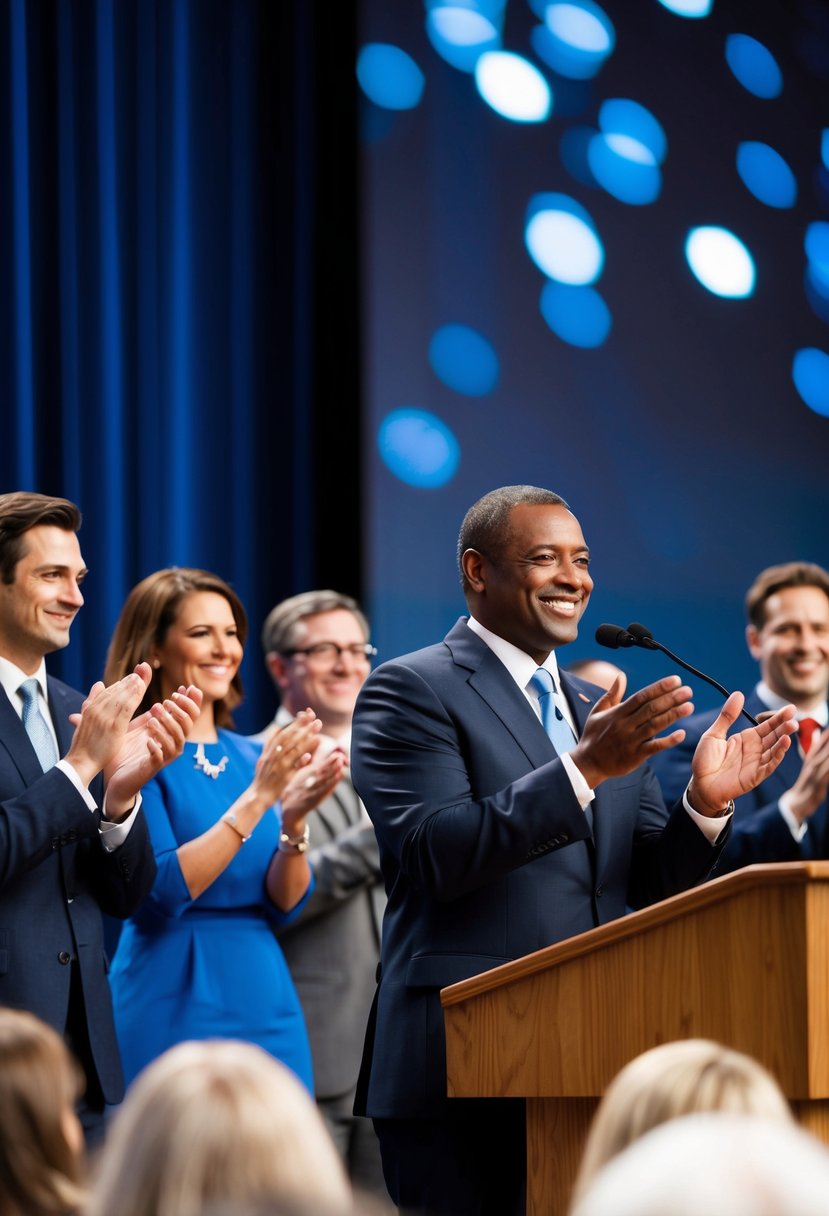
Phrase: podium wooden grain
pixel 743 959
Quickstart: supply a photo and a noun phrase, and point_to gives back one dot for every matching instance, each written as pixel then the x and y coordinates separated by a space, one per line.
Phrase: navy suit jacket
pixel 760 832
pixel 485 850
pixel 55 881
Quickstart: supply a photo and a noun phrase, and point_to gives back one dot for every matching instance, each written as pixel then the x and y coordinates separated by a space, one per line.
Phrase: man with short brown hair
pixel 786 818
pixel 64 861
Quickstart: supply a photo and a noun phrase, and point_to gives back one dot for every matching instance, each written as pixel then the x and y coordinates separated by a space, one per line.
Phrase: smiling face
pixel 326 683
pixel 534 591
pixel 792 645
pixel 38 608
pixel 201 647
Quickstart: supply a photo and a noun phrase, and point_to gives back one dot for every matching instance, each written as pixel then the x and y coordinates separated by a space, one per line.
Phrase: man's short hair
pixel 279 633
pixel 485 526
pixel 775 578
pixel 19 512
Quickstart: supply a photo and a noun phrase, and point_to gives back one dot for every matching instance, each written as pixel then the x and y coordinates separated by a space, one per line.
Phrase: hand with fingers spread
pixel 620 735
pixel 726 766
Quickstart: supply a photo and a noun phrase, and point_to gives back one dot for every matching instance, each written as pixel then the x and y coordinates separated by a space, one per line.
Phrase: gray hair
pixel 279 633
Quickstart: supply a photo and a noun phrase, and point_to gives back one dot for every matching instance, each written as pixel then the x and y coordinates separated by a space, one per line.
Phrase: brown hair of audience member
pixel 217 1122
pixel 20 511
pixel 674 1079
pixel 775 578
pixel 149 611
pixel 41 1142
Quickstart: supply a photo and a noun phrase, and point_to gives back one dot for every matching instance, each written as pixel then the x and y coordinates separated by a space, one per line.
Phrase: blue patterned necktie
pixel 36 727
pixel 556 725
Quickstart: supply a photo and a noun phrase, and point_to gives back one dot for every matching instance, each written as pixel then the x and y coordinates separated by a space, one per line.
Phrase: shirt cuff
pixel 798 830
pixel 67 769
pixel 581 789
pixel 114 834
pixel 710 828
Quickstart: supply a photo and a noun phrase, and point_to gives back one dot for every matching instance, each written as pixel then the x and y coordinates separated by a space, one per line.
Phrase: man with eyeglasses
pixel 318 653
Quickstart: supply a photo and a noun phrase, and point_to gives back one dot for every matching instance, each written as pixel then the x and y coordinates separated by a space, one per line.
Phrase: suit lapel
pixel 17 743
pixel 61 706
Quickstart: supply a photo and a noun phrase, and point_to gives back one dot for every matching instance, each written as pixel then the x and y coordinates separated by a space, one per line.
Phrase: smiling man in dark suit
pixel 494 843
pixel 786 817
pixel 62 859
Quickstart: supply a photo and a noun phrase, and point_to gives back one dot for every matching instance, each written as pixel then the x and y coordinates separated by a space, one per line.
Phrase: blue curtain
pixel 162 318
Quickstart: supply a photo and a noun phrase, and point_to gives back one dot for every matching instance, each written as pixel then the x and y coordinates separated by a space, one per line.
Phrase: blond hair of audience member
pixel 211 1122
pixel 714 1164
pixel 41 1141
pixel 676 1079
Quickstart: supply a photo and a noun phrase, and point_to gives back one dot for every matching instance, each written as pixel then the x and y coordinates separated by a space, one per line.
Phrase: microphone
pixel 613 636
pixel 638 635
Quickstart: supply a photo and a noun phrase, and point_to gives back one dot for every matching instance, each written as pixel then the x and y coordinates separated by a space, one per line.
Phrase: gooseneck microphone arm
pixel 637 635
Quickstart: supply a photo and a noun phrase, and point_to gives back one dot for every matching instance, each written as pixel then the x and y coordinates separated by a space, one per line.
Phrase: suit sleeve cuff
pixel 710 828
pixel 68 771
pixel 581 789
pixel 798 830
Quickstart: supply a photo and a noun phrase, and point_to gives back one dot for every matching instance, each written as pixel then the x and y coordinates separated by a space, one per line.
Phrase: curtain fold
pixel 158 298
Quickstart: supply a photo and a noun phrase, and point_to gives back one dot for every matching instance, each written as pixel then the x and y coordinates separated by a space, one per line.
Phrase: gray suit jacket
pixel 333 947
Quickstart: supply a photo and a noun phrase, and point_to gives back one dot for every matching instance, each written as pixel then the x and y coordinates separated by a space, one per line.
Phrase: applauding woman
pixel 199 960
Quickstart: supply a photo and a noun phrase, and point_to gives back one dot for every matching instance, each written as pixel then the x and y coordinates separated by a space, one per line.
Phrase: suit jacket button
pixel 64 957
pixel 599 892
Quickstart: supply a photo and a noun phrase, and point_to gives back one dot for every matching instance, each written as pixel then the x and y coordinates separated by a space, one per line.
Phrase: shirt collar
pixel 11 677
pixel 820 713
pixel 517 662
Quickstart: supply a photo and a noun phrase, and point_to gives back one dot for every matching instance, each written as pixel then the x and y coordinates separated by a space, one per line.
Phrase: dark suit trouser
pixel 470 1162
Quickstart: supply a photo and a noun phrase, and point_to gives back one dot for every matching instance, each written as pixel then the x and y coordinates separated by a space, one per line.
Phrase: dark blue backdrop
pixel 171 356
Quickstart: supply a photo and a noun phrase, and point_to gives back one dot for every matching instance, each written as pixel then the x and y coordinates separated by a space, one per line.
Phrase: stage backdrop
pixel 596 259
pixel 178 268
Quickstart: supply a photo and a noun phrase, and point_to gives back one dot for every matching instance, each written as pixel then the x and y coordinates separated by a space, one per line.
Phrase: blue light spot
pixel 688 8
pixel 418 448
pixel 578 315
pixel 753 65
pixel 625 168
pixel 460 35
pixel 816 245
pixel 810 372
pixel 620 116
pixel 464 360
pixel 513 86
pixel 576 38
pixel 721 262
pixel 824 147
pixel 817 293
pixel 765 173
pixel 389 77
pixel 562 240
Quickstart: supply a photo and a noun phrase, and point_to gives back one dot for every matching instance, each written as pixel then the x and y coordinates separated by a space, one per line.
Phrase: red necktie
pixel 806 729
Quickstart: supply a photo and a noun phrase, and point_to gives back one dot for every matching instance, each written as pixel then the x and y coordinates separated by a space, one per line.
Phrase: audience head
pixel 714 1164
pixel 152 609
pixel 217 1122
pixel 677 1079
pixel 788 631
pixel 41 1141
pixel 318 653
pixel 597 671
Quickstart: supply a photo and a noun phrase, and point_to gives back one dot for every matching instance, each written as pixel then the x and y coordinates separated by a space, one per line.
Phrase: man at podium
pixel 513 808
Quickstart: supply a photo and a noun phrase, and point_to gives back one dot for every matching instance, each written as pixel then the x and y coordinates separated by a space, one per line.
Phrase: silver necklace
pixel 209 770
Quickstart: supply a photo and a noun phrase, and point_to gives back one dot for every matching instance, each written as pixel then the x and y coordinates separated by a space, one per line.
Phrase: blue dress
pixel 209 967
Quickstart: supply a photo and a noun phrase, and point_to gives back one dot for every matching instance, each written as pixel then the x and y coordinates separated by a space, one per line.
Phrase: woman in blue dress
pixel 199 959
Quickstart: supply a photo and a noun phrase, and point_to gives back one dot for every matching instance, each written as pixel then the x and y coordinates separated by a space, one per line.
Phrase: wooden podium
pixel 743 959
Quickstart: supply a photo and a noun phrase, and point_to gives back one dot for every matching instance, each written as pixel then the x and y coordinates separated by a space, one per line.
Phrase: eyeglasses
pixel 328 652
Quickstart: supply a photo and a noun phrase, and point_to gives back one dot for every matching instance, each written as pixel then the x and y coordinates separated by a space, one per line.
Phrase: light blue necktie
pixel 556 725
pixel 36 727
